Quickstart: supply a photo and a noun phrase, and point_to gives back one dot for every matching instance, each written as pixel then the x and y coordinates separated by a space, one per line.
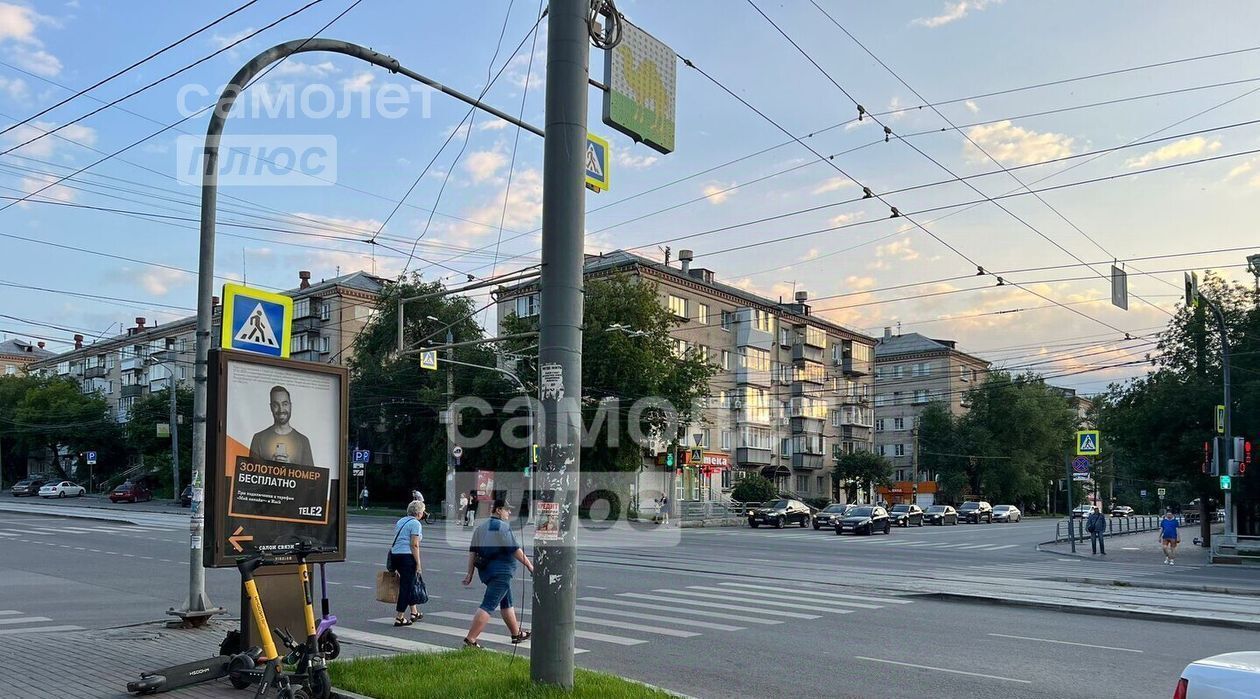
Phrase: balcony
pixel 307 355
pixel 807 462
pixel 752 377
pixel 802 352
pixel 95 372
pixel 132 391
pixel 855 367
pixel 132 363
pixel 748 456
pixel 307 324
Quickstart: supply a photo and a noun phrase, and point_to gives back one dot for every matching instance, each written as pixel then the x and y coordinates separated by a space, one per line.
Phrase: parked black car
pixel 829 515
pixel 781 513
pixel 976 512
pixel 27 486
pixel 906 515
pixel 865 519
pixel 941 515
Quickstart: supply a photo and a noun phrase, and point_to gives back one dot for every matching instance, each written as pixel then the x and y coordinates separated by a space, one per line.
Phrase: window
pixel 702 313
pixel 724 400
pixel 807 444
pixel 110 361
pixel 10 369
pixel 785 337
pixel 706 439
pixel 325 311
pixel 802 484
pixel 815 337
pixel 299 343
pixel 109 388
pixel 727 478
pixel 726 440
pixel 702 353
pixel 896 398
pixel 898 371
pixel 754 359
pixel 821 488
pixel 812 372
pixel 835 418
pixel 921 369
pixel 726 360
pixel 527 306
pixel 755 405
pixel 964 374
pixel 755 438
pixel 679 348
pixel 881 450
pixel 323 345
pixel 763 321
pixel 899 423
pixel 301 308
pixel 678 306
pixel 183 373
pixel 804 406
pixel 879 425
pixel 921 395
pixel 881 400
pixel 899 450
pixel 785 446
pixel 728 319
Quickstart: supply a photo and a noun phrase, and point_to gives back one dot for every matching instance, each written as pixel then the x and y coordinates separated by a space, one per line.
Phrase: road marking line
pixel 999 548
pixel 577 633
pixel 676 610
pixel 742 598
pixel 617 624
pixel 39 629
pixel 596 587
pixel 829 595
pixel 7 534
pixel 942 669
pixel 9 612
pixel 461 632
pixel 858 605
pixel 1066 643
pixel 643 616
pixel 362 587
pixel 25 620
pixel 718 605
pixel 333 582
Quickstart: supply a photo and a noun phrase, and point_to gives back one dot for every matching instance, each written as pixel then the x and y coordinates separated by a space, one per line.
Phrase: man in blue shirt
pixel 1169 536
pixel 494 553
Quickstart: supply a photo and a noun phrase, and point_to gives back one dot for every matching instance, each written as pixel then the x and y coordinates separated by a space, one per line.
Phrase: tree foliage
pixel 53 413
pixel 862 470
pixel 754 488
pixel 140 432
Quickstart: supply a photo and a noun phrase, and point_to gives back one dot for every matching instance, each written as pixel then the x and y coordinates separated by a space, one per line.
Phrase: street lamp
pixel 169 363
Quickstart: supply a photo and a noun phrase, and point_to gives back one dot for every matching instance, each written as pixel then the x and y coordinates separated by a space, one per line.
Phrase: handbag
pixel 421 593
pixel 389 555
pixel 386 587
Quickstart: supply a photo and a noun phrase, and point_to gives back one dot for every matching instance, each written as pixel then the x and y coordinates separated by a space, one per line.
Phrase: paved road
pixel 712 613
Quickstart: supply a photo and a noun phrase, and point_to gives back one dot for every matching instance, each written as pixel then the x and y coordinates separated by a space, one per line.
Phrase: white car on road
pixel 1226 676
pixel 62 489
pixel 1007 513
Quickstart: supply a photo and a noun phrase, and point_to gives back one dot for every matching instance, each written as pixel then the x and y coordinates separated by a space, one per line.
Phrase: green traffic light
pixel 1225 483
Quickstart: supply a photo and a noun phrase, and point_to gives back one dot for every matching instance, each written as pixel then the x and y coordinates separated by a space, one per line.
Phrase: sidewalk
pixel 1137 548
pixel 98 663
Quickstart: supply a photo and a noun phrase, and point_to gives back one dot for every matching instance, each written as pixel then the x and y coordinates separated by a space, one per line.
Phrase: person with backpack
pixel 493 555
pixel 404 560
pixel 1096 525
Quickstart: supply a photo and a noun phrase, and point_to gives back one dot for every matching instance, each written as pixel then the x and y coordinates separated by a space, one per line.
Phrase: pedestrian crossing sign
pixel 256 321
pixel 597 156
pixel 1087 443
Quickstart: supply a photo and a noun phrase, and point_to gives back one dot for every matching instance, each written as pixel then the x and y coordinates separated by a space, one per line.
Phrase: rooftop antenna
pixel 666 251
pixel 898 328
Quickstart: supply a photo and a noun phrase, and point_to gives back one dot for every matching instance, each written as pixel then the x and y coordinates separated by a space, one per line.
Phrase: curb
pixel 343 694
pixel 70 512
pixel 1098 611
pixel 1214 589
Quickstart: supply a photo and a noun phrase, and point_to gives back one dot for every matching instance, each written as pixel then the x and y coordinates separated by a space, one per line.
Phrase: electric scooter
pixel 194 673
pixel 309 679
pixel 328 643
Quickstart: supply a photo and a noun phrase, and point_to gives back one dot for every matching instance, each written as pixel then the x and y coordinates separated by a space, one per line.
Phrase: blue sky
pixel 944 50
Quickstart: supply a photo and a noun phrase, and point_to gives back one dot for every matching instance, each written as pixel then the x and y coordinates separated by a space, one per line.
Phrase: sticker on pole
pixel 1088 443
pixel 548 527
pixel 256 321
pixel 552 382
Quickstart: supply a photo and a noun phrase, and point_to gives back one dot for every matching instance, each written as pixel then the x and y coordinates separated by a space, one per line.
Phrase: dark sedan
pixel 27 486
pixel 781 513
pixel 829 514
pixel 865 519
pixel 906 515
pixel 941 515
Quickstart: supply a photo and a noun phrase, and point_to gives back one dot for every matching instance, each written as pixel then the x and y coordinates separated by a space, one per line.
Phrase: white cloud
pixel 717 192
pixel 293 67
pixel 223 41
pixel 39 62
pixel 855 283
pixel 833 184
pixel 846 218
pixel 954 11
pixel 524 208
pixel 18 25
pixel 492 125
pixel 899 249
pixel 635 162
pixel 896 107
pixel 16 89
pixel 1185 148
pixel 158 281
pixel 360 82
pixel 37 183
pixel 972 106
pixel 1012 144
pixel 1239 170
pixel 46 146
pixel 484 164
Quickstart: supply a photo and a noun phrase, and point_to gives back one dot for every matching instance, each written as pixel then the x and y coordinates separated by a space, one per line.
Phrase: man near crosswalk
pixel 493 554
pixel 1096 525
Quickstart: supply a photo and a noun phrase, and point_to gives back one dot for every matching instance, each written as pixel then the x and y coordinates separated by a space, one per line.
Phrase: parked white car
pixel 1226 676
pixel 1007 513
pixel 62 489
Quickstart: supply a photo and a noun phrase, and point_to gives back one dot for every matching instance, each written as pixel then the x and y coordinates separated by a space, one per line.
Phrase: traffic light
pixel 669 458
pixel 534 453
pixel 1246 459
pixel 1207 458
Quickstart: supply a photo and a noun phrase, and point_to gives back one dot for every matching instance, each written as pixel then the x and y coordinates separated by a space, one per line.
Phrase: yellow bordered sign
pixel 1088 443
pixel 598 157
pixel 256 321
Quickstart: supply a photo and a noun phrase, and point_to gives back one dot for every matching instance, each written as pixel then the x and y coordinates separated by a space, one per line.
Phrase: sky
pixel 765 183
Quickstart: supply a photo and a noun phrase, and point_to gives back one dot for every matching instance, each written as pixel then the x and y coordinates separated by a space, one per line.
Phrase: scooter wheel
pixel 292 692
pixel 330 646
pixel 239 663
pixel 320 685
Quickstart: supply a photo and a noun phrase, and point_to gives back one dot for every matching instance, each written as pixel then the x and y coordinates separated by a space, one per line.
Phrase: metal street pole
pixel 1228 536
pixel 560 339
pixel 1067 461
pixel 174 435
pixel 452 498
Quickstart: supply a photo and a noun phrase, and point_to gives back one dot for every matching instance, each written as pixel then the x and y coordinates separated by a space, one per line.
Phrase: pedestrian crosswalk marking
pixel 775 595
pixel 739 597
pixel 25 620
pixel 39 629
pixel 462 632
pixel 831 595
pixel 628 626
pixel 577 633
pixel 676 610
pixel 644 616
pixel 718 605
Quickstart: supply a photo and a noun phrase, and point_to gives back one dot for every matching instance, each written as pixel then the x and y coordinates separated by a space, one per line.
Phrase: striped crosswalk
pixel 632 618
pixel 15 623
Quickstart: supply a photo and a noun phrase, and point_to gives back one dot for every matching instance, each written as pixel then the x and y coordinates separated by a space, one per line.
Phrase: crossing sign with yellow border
pixel 256 321
pixel 598 157
pixel 1088 443
pixel 428 360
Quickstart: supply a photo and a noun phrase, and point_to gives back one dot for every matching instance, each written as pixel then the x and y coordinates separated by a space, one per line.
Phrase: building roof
pixel 914 343
pixel 358 281
pixel 618 259
pixel 22 348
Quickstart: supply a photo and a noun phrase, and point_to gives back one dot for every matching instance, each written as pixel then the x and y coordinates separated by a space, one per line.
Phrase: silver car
pixel 1007 513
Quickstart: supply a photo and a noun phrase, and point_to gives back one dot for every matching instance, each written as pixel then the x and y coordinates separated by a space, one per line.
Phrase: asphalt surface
pixel 710 613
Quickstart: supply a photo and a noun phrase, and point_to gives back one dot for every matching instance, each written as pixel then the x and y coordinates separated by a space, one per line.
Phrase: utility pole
pixel 174 434
pixel 452 497
pixel 1067 462
pixel 560 339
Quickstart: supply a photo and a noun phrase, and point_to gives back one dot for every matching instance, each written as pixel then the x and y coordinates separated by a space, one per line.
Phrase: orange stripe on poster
pixel 234 449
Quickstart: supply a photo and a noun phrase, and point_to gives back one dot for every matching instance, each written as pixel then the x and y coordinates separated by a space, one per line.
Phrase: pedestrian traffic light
pixel 1245 461
pixel 534 453
pixel 669 458
pixel 1225 483
pixel 1207 458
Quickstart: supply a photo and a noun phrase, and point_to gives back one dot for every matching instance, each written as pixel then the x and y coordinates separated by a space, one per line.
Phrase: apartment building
pixel 792 390
pixel 912 371
pixel 17 355
pixel 146 358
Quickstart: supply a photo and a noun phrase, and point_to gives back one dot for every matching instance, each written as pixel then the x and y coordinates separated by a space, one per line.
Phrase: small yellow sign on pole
pixel 598 155
pixel 428 360
pixel 1088 443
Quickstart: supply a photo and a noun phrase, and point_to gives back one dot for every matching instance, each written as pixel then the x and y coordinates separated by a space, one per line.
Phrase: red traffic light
pixel 1207 457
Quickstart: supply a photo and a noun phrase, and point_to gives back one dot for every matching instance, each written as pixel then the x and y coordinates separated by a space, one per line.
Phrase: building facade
pixel 17 355
pixel 912 371
pixel 147 358
pixel 792 390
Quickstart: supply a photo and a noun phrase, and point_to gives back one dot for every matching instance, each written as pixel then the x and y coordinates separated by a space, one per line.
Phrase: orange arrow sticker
pixel 236 539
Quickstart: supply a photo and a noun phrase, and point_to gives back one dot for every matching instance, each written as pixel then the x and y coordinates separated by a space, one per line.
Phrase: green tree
pixel 862 470
pixel 55 414
pixel 754 488
pixel 143 441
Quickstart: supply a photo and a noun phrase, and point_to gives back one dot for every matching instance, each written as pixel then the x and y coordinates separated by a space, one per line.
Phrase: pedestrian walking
pixel 470 515
pixel 416 495
pixel 1096 525
pixel 664 509
pixel 404 559
pixel 463 509
pixel 1169 536
pixel 363 498
pixel 493 554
